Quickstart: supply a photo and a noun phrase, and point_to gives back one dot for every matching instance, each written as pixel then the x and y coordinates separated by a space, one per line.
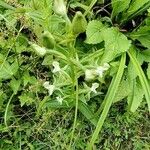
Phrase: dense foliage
pixel 74 74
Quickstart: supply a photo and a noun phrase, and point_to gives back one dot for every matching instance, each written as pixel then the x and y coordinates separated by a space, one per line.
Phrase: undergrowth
pixel 74 74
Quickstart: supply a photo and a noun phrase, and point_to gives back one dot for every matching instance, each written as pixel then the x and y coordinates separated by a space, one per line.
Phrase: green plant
pixel 71 58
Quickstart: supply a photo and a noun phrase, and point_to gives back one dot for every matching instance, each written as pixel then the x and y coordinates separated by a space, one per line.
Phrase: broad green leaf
pixel 116 41
pixel 115 44
pixel 142 35
pixel 94 32
pixel 119 6
pixel 136 96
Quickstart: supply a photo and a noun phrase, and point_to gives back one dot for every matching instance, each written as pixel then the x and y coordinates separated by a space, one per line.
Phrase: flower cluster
pixel 91 74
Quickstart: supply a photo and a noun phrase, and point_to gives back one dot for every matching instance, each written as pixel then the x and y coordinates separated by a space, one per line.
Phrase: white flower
pixel 89 74
pixel 60 7
pixel 59 99
pixel 41 51
pixel 106 66
pixel 100 70
pixel 56 67
pixel 49 87
pixel 94 87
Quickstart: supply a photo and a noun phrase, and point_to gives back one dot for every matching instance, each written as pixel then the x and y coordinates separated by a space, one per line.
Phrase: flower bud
pixel 48 40
pixel 79 23
pixel 60 7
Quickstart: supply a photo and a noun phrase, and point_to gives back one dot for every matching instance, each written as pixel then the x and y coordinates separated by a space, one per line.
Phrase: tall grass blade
pixel 109 100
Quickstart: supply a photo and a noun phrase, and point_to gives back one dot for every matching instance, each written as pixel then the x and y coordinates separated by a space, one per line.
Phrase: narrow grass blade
pixel 109 100
pixel 142 77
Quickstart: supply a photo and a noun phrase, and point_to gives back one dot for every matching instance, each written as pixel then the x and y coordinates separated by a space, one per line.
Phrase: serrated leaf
pixel 136 96
pixel 119 6
pixel 94 32
pixel 116 41
pixel 115 44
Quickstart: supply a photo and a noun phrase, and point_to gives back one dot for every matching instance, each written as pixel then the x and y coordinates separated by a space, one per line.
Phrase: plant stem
pixel 6 110
pixel 76 110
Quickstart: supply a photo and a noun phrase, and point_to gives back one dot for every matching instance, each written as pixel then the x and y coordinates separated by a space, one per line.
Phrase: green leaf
pixel 115 44
pixel 25 99
pixel 15 84
pixel 145 55
pixel 94 32
pixel 123 91
pixel 86 111
pixel 142 35
pixel 7 70
pixel 138 7
pixel 119 6
pixel 28 79
pixel 136 96
pixel 116 41
pixel 143 80
pixel 135 6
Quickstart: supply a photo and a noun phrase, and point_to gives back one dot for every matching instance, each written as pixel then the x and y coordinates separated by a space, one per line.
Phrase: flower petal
pixel 94 87
pixel 56 67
